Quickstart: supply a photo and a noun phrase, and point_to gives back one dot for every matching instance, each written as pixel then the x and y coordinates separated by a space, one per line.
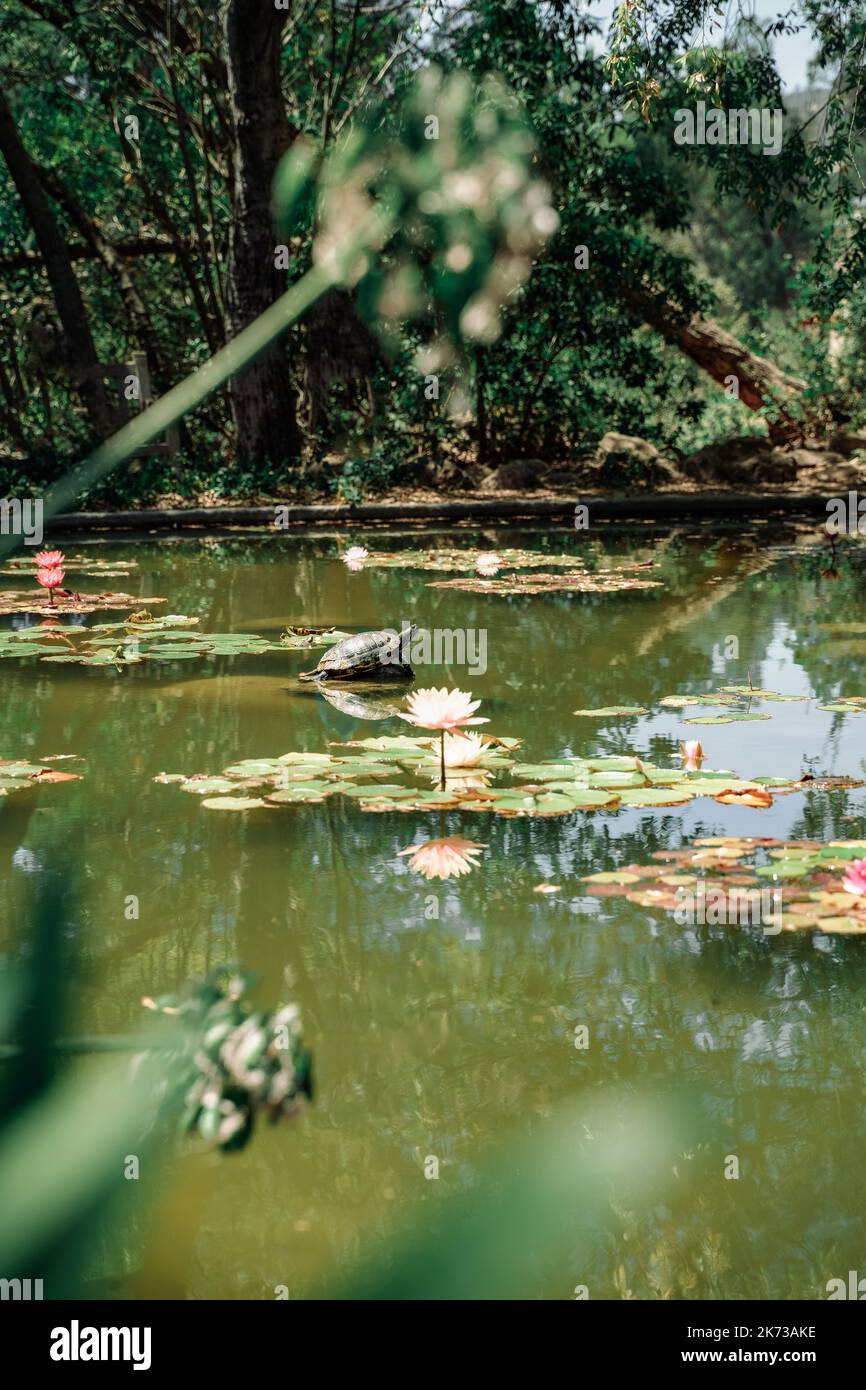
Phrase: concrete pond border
pixel 650 506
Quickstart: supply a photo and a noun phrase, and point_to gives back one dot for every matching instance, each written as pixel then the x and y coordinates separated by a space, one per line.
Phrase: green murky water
pixel 445 1035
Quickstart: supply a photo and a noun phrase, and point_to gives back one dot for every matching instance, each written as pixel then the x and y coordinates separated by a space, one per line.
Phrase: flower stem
pixel 442 758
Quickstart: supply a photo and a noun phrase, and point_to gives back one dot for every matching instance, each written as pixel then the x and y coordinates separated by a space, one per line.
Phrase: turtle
pixel 363 654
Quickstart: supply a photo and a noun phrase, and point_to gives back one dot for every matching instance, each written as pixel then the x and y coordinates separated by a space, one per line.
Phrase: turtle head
pixel 398 647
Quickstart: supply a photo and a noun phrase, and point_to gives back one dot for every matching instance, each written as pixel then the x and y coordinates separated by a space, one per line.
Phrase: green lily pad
pixel 656 796
pixel 390 790
pixel 207 786
pixel 613 876
pixel 254 767
pixel 305 758
pixel 611 711
pixel 785 868
pixel 686 701
pixel 543 772
pixel 733 718
pixel 306 791
pixel 591 798
pixel 614 781
pixel 233 803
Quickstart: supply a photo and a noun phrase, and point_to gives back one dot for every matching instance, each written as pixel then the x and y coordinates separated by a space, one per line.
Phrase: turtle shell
pixel 364 652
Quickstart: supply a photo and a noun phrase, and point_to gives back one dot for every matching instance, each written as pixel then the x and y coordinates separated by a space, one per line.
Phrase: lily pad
pixel 88 565
pixel 139 637
pixel 401 773
pixel 656 796
pixel 18 775
pixel 705 871
pixel 611 711
pixel 735 717
pixel 686 701
pixel 34 601
pixel 841 707
pixel 446 559
pixel 233 803
pixel 575 581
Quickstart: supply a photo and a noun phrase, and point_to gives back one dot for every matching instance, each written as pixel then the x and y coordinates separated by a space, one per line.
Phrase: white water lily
pixel 445 710
pixel 464 750
pixel 354 557
pixel 488 564
pixel 442 709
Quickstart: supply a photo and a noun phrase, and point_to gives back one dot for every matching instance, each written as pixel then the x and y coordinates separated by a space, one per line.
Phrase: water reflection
pixel 446 858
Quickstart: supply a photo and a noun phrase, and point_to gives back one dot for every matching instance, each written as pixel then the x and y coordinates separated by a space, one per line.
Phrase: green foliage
pixel 774 248
pixel 242 1061
pixel 67 1128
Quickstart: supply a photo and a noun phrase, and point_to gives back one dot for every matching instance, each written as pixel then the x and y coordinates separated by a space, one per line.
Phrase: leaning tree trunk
pixel 759 383
pixel 263 401
pixel 78 349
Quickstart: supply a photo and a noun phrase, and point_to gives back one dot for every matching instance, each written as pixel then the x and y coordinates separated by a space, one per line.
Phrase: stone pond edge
pixel 285 516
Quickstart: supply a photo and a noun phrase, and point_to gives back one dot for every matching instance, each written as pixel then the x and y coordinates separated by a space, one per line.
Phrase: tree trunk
pixel 139 318
pixel 480 407
pixel 263 401
pixel 759 382
pixel 78 350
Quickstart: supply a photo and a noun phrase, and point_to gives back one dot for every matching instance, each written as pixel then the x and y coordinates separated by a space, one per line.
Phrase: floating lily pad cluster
pixel 846 704
pixel 242 1062
pixel 86 565
pixel 575 581
pixel 365 770
pixel 808 876
pixel 34 601
pixel 483 571
pixel 452 560
pixel 141 637
pixel 22 774
pixel 735 700
pixel 625 781
pixel 384 774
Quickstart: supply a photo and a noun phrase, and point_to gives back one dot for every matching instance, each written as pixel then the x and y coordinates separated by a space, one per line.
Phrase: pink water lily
pixel 693 755
pixel 49 579
pixel 448 858
pixel 50 559
pixel 855 877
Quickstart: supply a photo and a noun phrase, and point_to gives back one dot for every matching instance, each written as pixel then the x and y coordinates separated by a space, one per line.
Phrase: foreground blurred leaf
pixel 537 1207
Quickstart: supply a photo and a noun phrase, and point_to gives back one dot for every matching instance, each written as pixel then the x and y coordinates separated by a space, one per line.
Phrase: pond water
pixel 442 1015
